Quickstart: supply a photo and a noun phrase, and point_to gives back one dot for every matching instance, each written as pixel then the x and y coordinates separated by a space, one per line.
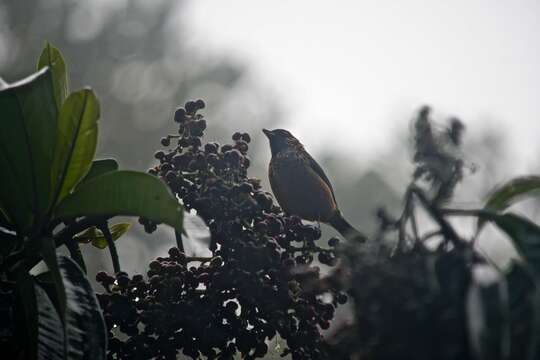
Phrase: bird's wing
pixel 319 171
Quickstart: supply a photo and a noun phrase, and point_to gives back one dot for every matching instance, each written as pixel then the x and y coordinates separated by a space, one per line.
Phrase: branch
pixel 437 215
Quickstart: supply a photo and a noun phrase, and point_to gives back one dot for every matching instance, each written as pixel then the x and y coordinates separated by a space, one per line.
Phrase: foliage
pixel 51 189
pixel 422 294
pixel 417 293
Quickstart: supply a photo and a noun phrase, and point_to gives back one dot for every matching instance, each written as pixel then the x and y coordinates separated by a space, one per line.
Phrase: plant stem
pixel 402 222
pixel 179 242
pixel 104 227
pixel 437 215
pixel 75 253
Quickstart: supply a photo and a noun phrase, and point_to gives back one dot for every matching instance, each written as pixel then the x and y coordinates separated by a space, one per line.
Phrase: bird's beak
pixel 268 133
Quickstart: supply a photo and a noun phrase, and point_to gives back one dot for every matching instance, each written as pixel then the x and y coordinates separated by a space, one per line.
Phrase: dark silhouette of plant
pixel 52 194
pixel 248 291
pixel 419 294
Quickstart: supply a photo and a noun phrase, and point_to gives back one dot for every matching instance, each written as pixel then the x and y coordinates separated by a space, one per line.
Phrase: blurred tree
pixel 139 59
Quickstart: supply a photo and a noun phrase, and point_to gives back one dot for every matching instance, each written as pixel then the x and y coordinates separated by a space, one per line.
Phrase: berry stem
pixel 179 242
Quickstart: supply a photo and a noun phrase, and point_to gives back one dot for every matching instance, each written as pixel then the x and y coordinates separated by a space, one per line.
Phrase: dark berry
pixel 200 104
pixel 191 107
pixel 159 155
pixel 165 141
pixel 211 148
pixel 333 241
pixel 226 148
pixel 246 137
pixel 179 115
pixel 102 276
pixel 341 298
pixel 236 136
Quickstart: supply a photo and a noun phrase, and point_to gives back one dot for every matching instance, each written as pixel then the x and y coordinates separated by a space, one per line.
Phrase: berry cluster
pixel 250 290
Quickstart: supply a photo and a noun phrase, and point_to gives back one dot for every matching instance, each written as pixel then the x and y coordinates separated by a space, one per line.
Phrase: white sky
pixel 363 67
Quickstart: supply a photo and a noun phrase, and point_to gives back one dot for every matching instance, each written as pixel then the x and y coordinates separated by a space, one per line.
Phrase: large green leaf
pixel 524 233
pixel 123 193
pixel 27 138
pixel 51 337
pixel 52 58
pixel 48 250
pixel 86 334
pixel 80 332
pixel 511 192
pixel 76 141
pixel 43 328
pixel 96 237
pixel 100 167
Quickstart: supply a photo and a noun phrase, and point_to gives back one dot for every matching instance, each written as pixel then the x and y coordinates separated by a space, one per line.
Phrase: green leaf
pixel 100 167
pixel 80 329
pixel 27 138
pixel 76 141
pixel 48 250
pixel 51 336
pixel 511 192
pixel 96 237
pixel 51 57
pixel 86 334
pixel 524 233
pixel 123 193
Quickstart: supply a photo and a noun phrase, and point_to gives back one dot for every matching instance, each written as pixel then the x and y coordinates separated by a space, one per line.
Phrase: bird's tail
pixel 338 222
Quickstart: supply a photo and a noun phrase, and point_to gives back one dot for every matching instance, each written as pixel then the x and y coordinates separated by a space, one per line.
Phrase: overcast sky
pixel 364 67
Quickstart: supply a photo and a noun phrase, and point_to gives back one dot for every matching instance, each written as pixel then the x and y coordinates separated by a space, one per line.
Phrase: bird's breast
pixel 299 189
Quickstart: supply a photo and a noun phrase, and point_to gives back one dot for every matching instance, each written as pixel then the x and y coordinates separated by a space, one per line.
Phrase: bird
pixel 300 185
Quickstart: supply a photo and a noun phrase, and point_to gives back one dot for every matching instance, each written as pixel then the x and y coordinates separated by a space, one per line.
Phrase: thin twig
pixel 414 225
pixel 437 215
pixel 429 235
pixel 402 221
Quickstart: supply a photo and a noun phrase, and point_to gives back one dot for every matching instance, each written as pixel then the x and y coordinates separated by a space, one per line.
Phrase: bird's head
pixel 281 140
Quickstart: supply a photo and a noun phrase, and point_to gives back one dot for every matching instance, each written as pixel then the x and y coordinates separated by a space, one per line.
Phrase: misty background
pixel 346 79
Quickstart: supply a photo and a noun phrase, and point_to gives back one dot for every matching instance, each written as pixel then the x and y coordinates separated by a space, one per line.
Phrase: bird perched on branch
pixel 300 185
